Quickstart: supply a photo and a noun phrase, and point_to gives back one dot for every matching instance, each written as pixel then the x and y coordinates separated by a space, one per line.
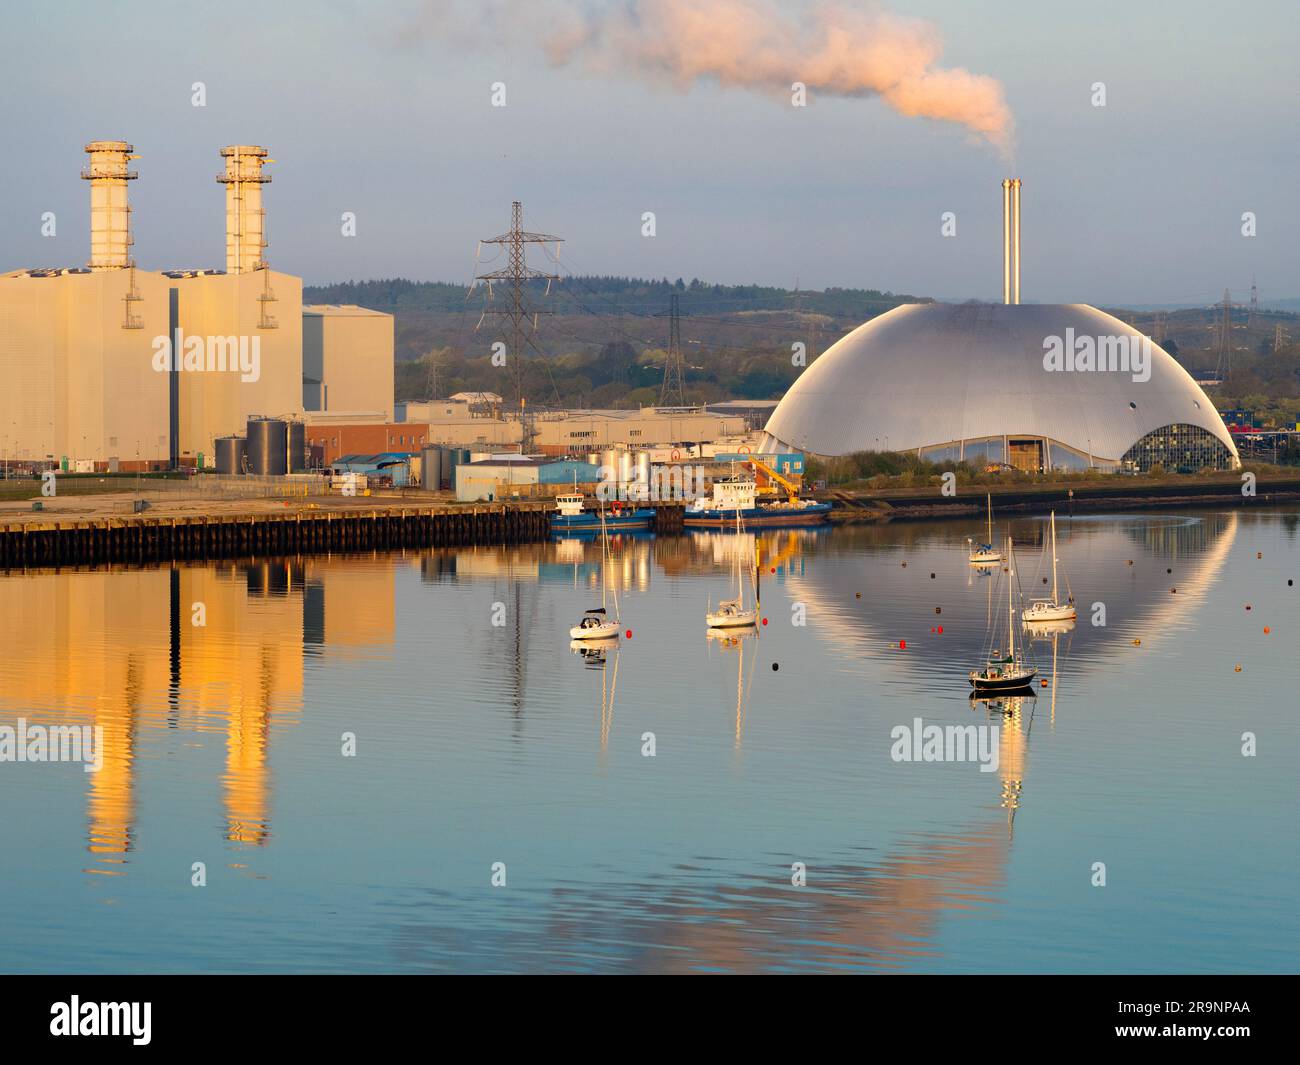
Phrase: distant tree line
pixel 579 294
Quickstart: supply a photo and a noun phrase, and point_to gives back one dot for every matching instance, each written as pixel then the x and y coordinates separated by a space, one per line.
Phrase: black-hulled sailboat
pixel 1010 669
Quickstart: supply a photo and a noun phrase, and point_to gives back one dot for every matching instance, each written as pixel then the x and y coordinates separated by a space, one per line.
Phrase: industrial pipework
pixel 110 214
pixel 245 218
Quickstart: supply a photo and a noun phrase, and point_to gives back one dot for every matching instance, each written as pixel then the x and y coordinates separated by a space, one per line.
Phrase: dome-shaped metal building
pixel 1038 387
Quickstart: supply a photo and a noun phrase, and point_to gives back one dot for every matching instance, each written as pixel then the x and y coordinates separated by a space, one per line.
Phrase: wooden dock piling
pixel 145 539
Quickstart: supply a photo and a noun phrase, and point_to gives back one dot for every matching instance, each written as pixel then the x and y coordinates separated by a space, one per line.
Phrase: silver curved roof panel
pixel 928 374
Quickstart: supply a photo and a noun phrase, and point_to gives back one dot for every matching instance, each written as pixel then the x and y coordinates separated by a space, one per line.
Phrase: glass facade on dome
pixel 1182 448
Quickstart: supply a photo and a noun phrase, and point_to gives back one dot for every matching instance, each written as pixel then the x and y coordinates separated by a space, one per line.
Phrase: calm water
pixel 479 743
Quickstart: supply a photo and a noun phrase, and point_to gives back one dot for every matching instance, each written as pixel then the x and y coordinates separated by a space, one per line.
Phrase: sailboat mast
pixel 739 590
pixel 618 617
pixel 989 497
pixel 1055 598
pixel 604 560
pixel 1011 629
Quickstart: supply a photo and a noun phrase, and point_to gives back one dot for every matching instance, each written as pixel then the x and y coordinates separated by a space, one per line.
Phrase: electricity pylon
pixel 672 394
pixel 517 273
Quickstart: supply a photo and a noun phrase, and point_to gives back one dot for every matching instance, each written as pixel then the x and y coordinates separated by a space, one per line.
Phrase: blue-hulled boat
pixel 572 518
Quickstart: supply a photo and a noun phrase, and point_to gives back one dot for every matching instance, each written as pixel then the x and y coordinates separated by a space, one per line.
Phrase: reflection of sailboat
pixel 985 554
pixel 1012 744
pixel 1047 630
pixel 1056 638
pixel 1005 670
pixel 595 656
pixel 732 613
pixel 595 623
pixel 734 639
pixel 1050 609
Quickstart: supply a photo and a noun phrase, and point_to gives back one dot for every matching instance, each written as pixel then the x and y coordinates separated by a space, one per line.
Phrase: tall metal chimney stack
pixel 110 214
pixel 1015 228
pixel 1006 240
pixel 245 218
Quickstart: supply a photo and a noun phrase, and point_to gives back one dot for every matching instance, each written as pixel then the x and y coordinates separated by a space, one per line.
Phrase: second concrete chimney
pixel 110 214
pixel 245 218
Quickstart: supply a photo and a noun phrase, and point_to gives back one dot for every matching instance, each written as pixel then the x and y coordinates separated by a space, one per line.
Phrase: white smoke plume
pixel 833 48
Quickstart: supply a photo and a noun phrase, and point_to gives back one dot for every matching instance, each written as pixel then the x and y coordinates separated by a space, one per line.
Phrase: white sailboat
pixel 732 613
pixel 1040 610
pixel 595 623
pixel 1007 670
pixel 985 554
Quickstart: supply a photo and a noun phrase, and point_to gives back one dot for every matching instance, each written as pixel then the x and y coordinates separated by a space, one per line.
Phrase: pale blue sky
pixel 1138 202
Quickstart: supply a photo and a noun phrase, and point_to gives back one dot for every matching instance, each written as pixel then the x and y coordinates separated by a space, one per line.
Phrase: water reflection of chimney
pixel 174 663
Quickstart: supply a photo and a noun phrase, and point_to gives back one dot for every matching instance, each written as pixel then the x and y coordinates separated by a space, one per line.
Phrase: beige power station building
pixel 347 360
pixel 113 365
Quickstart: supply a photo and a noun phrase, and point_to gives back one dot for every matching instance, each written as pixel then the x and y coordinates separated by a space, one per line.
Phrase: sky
pixel 385 110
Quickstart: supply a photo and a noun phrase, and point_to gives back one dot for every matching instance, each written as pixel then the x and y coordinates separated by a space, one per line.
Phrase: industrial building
pixel 756 412
pixel 331 437
pixel 387 469
pixel 113 366
pixel 980 383
pixel 504 476
pixel 467 420
pixel 347 359
pixel 575 431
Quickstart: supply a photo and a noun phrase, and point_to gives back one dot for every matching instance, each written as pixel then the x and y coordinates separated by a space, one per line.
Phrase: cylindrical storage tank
pixel 643 467
pixel 593 457
pixel 454 456
pixel 625 467
pixel 268 444
pixel 431 475
pixel 297 460
pixel 230 454
pixel 609 458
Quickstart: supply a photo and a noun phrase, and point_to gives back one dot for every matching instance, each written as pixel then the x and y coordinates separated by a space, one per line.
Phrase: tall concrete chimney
pixel 245 219
pixel 1006 240
pixel 1015 236
pixel 1010 240
pixel 110 214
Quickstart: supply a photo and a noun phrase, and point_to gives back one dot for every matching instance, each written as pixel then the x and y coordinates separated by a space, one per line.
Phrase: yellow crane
pixel 791 489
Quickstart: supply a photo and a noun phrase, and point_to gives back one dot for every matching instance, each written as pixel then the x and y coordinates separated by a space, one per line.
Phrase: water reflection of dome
pixel 1196 547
